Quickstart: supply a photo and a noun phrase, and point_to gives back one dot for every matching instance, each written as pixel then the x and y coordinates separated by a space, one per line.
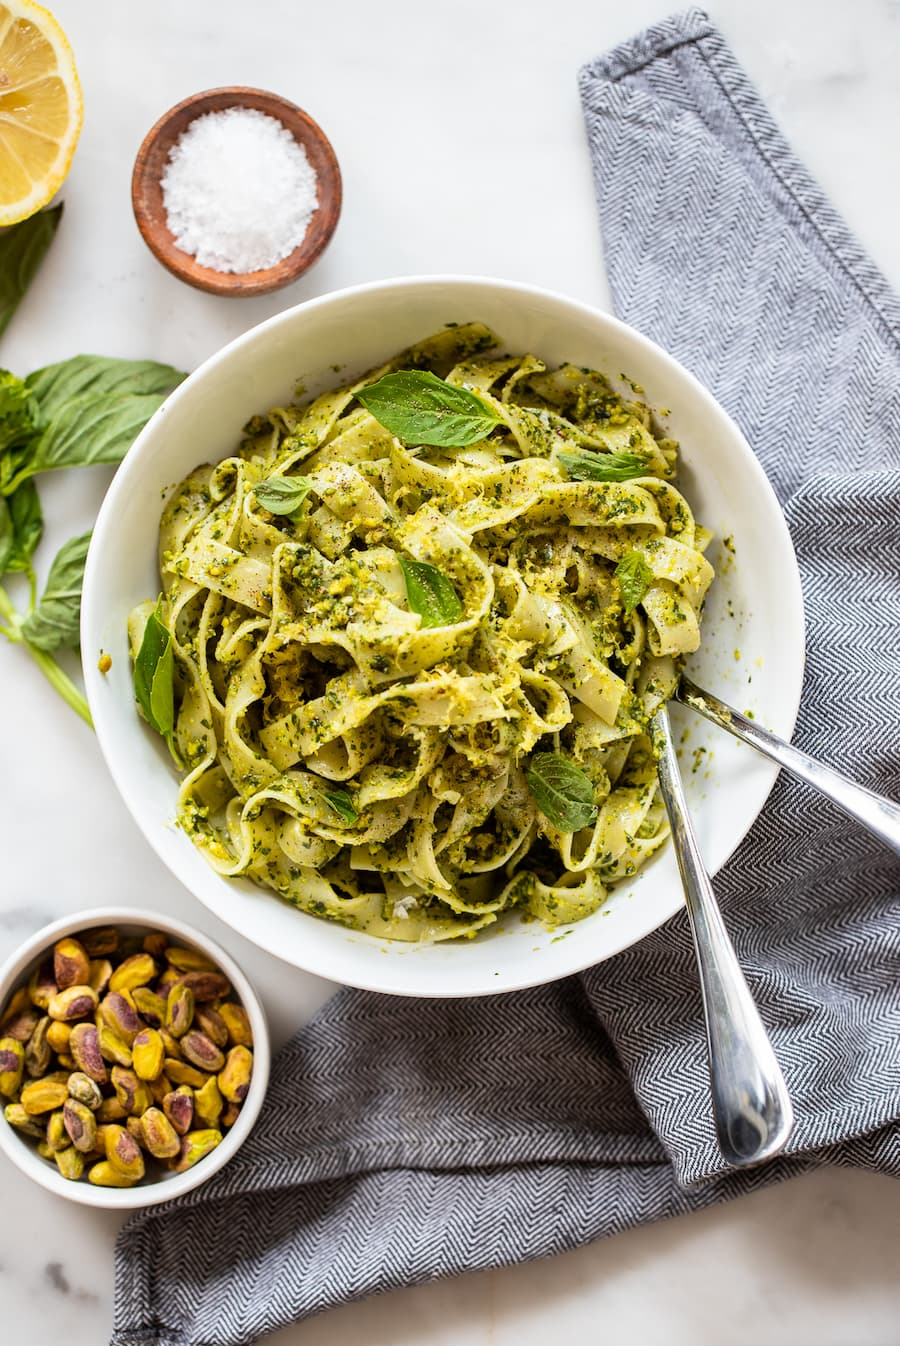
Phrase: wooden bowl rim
pixel 149 211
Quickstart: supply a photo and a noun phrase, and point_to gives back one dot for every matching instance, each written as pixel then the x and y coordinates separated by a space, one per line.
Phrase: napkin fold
pixel 407 1140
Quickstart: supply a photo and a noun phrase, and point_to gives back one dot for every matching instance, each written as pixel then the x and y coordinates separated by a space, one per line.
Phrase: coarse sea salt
pixel 238 190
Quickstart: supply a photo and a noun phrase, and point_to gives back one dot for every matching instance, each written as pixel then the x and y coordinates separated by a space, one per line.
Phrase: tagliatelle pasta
pixel 372 748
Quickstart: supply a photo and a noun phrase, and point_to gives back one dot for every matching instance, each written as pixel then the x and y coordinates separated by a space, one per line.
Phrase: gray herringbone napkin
pixel 405 1140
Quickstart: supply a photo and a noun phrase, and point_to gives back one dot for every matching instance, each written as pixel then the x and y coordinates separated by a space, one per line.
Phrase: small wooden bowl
pixel 147 195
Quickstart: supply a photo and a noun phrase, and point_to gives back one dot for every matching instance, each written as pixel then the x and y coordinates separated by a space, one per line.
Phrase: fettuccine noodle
pixel 369 768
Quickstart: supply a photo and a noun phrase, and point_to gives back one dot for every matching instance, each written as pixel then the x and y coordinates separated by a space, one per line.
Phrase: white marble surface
pixel 399 87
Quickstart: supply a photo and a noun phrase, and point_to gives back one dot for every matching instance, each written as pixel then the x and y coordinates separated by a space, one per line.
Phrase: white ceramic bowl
pixel 752 653
pixel 150 1192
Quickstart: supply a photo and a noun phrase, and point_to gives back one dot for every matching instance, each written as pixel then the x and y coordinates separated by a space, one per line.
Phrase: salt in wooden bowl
pixel 150 213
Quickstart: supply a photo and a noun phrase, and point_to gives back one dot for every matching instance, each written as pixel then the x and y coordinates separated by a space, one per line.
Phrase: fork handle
pixel 879 815
pixel 751 1106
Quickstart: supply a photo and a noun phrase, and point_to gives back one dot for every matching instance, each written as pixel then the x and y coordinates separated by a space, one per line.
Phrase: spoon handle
pixel 751 1107
pixel 880 815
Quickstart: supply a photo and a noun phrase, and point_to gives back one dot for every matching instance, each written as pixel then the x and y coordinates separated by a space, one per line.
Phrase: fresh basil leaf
pixel 430 593
pixel 162 691
pixel 561 790
pixel 22 249
pixel 282 495
pixel 54 622
pixel 154 679
pixel 27 522
pixel 18 411
pixel 7 536
pixel 420 408
pixel 588 466
pixel 342 804
pixel 89 430
pixel 635 578
pixel 56 385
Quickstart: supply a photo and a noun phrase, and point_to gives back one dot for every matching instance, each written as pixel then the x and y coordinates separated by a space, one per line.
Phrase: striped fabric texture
pixel 408 1140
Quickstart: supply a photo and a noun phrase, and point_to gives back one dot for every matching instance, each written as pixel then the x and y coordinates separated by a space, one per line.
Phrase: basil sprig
pixel 430 594
pixel 635 577
pixel 420 408
pixel 22 249
pixel 561 790
pixel 69 414
pixel 282 495
pixel 54 622
pixel 589 466
pixel 343 805
pixel 154 679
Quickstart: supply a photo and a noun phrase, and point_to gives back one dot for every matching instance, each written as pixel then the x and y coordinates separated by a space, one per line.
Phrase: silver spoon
pixel 751 1106
pixel 880 815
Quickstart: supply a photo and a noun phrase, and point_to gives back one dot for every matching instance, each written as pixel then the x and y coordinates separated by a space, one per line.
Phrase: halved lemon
pixel 41 108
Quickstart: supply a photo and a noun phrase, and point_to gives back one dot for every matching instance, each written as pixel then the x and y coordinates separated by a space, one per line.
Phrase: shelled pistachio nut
pixel 230 1113
pixel 123 1152
pixel 131 1092
pixel 179 1010
pixel 84 1048
pixel 81 1124
pixel 12 1066
pixel 85 1090
pixel 58 1035
pixel 155 943
pixel 120 1016
pixel 234 1078
pixel 159 1135
pixel 189 960
pixel 159 1087
pixel 195 1146
pixel 43 1096
pixel 110 1110
pixel 179 1072
pixel 21 1025
pixel 237 1021
pixel 201 1051
pixel 138 970
pixel 113 1049
pixel 148 1054
pixel 37 1050
pixel 42 985
pixel 75 1002
pixel 150 1006
pixel 18 1001
pixel 71 964
pixel 56 1135
pixel 208 1103
pixel 210 1022
pixel 179 1108
pixel 16 1115
pixel 99 974
pixel 206 985
pixel 105 1175
pixel 70 1163
pixel 101 942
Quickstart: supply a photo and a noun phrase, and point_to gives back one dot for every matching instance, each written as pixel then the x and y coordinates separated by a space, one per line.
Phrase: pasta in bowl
pixel 752 610
pixel 411 635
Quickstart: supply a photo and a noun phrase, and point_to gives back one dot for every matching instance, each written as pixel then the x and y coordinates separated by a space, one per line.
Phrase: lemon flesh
pixel 41 108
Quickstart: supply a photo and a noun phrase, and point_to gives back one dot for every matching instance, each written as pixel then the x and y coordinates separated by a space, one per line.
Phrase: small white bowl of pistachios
pixel 134 1058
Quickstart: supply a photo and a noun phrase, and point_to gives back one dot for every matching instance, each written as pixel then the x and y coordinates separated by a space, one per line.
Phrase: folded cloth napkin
pixel 407 1140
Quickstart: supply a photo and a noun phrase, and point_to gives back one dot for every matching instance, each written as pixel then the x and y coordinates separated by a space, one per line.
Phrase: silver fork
pixel 751 1106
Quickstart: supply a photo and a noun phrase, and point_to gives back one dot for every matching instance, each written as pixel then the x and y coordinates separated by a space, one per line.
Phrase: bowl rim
pixel 25 1157
pixel 146 188
pixel 791 599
